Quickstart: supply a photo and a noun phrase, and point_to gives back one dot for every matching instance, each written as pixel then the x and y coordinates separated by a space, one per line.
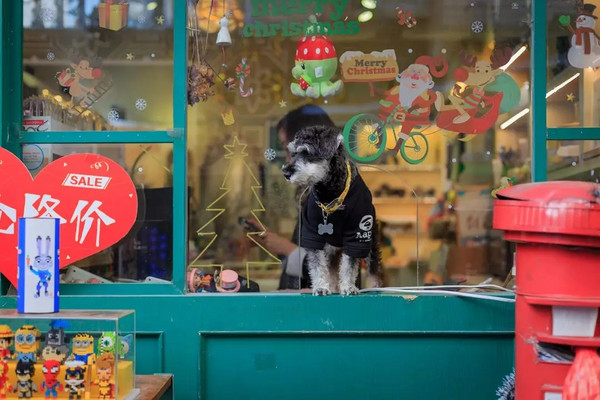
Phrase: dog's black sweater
pixel 352 223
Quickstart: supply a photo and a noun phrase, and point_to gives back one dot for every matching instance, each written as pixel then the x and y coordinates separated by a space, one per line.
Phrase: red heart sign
pixel 92 195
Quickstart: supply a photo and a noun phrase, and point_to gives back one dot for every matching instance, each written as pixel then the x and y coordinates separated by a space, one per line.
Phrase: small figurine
pixel 25 386
pixel 505 182
pixel 315 65
pixel 104 372
pixel 75 379
pixel 83 348
pixel 56 342
pixel 27 343
pixel 51 385
pixel 4 385
pixel 109 342
pixel 6 339
pixel 44 264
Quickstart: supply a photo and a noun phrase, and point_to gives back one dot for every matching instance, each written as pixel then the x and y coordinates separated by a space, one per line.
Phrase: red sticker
pixel 92 195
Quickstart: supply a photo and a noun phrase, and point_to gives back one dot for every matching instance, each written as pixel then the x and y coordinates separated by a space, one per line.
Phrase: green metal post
pixel 11 62
pixel 180 192
pixel 539 159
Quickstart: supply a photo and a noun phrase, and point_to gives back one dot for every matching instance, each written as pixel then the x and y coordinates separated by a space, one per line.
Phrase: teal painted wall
pixel 299 346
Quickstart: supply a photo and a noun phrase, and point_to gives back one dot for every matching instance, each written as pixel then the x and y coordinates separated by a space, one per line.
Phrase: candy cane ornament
pixel 242 71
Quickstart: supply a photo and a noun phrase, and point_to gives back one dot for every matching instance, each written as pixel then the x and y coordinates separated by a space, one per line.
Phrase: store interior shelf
pixel 401 168
pixel 404 200
pixel 575 172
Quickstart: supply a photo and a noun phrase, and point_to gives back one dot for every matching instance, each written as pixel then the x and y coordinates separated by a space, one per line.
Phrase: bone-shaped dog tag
pixel 326 228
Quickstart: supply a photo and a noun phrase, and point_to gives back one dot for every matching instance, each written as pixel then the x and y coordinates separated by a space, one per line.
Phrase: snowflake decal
pixel 477 26
pixel 142 19
pixel 515 6
pixel 50 56
pixel 48 15
pixel 113 116
pixel 270 154
pixel 141 104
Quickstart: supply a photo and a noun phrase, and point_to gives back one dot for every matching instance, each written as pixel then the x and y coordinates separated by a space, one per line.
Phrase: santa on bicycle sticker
pixel 481 92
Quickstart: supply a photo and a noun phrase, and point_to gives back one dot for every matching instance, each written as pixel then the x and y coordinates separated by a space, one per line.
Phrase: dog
pixel 338 227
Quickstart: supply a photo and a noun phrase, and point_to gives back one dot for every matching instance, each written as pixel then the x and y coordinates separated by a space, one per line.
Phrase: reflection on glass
pixel 574 160
pixel 91 65
pixel 145 253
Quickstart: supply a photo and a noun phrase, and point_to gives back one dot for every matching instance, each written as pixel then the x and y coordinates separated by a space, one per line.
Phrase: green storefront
pixel 282 344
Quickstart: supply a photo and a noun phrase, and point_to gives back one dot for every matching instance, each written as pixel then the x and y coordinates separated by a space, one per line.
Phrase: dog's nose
pixel 287 171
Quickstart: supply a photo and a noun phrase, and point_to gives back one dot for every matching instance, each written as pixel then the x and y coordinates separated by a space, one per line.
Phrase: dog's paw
pixel 349 291
pixel 321 292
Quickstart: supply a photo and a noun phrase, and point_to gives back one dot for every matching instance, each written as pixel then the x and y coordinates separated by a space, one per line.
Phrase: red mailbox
pixel 556 226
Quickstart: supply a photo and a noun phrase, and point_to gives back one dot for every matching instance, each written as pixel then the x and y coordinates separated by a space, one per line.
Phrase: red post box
pixel 556 226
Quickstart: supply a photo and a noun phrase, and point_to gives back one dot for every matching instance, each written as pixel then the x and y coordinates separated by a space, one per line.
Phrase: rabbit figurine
pixel 43 264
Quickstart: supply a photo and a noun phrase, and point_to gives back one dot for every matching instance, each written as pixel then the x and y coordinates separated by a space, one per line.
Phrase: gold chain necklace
pixel 337 203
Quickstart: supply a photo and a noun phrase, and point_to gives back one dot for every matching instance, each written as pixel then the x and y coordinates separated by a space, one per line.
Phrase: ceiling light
pixel 514 118
pixel 151 6
pixel 514 58
pixel 370 4
pixel 365 16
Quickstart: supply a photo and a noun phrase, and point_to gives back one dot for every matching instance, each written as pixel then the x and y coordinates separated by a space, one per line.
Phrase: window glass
pixel 145 253
pixel 97 65
pixel 429 99
pixel 573 51
pixel 574 160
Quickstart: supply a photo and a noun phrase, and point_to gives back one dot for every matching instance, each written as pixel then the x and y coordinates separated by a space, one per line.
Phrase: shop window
pixel 456 131
pixel 88 66
pixel 145 253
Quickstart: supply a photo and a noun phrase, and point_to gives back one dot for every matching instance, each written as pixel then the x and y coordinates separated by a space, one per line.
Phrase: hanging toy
pixel 315 64
pixel 224 37
pixel 583 379
pixel 242 71
pixel 405 18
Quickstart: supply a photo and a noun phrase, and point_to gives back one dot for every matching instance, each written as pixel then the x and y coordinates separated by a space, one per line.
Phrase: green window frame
pixel 12 137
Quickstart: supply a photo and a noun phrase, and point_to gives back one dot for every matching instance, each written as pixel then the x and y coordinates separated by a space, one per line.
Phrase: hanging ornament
pixel 223 37
pixel 242 71
pixel 227 115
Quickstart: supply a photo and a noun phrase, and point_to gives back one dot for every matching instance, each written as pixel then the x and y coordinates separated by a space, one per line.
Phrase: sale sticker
pixel 92 196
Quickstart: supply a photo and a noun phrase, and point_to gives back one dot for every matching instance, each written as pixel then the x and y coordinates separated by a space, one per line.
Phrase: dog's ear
pixel 331 140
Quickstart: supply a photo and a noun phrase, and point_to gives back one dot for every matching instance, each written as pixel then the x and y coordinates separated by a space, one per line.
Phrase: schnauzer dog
pixel 338 227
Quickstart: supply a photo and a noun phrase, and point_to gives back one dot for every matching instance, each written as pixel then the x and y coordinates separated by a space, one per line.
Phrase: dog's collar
pixel 337 203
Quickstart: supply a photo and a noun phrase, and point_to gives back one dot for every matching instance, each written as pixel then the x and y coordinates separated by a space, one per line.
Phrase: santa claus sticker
pixel 585 43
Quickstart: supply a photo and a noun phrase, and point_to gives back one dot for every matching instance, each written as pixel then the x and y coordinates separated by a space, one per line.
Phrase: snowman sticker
pixel 585 43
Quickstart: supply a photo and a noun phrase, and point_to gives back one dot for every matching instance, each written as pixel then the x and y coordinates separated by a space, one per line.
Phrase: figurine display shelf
pixel 68 355
pixel 124 377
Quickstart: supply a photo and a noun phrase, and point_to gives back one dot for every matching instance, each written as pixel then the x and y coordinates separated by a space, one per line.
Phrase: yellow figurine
pixel 83 348
pixel 505 182
pixel 27 343
pixel 6 339
pixel 104 373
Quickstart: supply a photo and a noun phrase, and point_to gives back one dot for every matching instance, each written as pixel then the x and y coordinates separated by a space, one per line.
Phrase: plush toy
pixel 315 64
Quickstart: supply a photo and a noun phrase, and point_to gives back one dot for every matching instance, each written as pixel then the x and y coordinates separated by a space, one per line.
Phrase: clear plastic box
pixel 83 344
